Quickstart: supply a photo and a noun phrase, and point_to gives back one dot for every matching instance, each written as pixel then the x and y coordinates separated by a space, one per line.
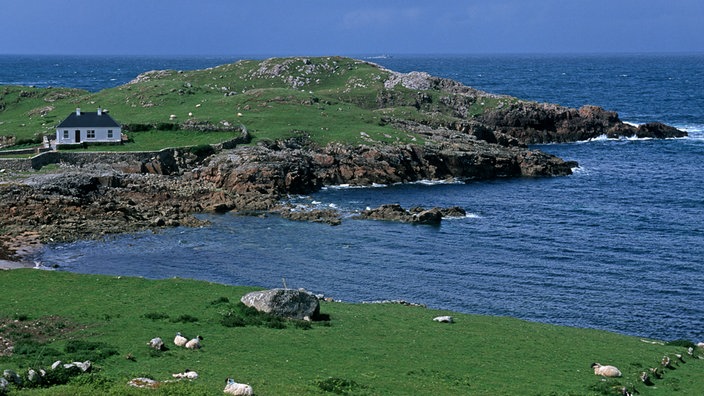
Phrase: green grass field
pixel 329 99
pixel 363 349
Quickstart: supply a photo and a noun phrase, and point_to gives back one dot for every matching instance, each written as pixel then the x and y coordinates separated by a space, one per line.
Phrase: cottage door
pixel 78 135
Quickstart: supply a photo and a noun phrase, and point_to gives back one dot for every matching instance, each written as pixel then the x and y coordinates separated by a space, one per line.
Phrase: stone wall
pixel 83 158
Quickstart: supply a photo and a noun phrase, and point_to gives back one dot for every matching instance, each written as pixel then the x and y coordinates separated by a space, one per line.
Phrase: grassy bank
pixel 363 349
pixel 328 99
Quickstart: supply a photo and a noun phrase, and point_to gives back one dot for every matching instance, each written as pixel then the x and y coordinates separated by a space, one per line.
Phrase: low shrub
pixel 155 315
pixel 337 385
pixel 682 343
pixel 220 300
pixel 202 150
pixel 81 350
pixel 185 318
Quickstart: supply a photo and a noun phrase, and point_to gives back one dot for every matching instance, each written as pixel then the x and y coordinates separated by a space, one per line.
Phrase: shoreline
pixel 17 251
pixel 10 265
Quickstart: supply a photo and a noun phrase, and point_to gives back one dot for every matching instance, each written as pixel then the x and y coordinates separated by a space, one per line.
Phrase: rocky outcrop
pixel 287 303
pixel 259 176
pixel 415 215
pixel 531 123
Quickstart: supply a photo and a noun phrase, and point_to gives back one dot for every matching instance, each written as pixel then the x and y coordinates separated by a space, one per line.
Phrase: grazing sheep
pixel 444 319
pixel 646 378
pixel 665 362
pixel 34 377
pixel 187 374
pixel 156 343
pixel 180 340
pixel 172 117
pixel 12 376
pixel 194 343
pixel 234 388
pixel 606 371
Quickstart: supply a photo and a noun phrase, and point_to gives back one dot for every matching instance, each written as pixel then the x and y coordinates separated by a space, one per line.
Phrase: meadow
pixel 354 349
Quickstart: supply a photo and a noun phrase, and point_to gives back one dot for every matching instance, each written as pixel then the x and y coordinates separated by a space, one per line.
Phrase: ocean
pixel 617 246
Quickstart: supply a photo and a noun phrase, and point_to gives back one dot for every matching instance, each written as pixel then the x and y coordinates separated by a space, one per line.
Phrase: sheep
pixel 188 374
pixel 172 117
pixel 156 343
pixel 234 388
pixel 665 362
pixel 180 340
pixel 645 378
pixel 444 319
pixel 194 343
pixel 606 371
pixel 12 377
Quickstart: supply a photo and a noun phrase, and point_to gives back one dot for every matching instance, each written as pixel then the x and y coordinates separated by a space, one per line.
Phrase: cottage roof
pixel 89 119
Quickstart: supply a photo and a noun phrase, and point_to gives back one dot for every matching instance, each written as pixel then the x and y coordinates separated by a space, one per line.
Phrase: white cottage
pixel 89 127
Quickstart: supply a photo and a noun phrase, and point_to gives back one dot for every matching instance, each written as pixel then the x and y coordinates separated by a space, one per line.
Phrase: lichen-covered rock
pixel 287 303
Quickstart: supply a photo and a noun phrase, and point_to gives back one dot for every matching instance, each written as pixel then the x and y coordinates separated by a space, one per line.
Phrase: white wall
pixel 101 135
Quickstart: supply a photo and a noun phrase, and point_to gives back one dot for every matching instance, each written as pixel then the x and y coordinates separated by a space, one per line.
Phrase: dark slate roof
pixel 87 120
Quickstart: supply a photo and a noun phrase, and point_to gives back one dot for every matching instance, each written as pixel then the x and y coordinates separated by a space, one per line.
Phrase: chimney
pixel 100 111
pixel 78 111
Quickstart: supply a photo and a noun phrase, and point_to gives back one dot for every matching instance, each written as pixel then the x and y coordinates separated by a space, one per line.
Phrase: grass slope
pixel 364 349
pixel 330 99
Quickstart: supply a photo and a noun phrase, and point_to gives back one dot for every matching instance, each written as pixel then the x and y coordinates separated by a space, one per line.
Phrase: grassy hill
pixel 329 98
pixel 363 349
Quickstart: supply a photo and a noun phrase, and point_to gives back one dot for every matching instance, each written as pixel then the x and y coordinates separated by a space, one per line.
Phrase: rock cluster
pixel 416 215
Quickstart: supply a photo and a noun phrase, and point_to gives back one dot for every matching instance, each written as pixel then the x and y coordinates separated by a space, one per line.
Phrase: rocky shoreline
pixel 90 200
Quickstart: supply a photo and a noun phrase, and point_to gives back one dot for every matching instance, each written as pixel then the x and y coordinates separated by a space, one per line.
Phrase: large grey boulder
pixel 288 303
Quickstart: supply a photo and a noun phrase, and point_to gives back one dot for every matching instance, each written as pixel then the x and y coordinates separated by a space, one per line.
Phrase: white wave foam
pixel 346 186
pixel 437 182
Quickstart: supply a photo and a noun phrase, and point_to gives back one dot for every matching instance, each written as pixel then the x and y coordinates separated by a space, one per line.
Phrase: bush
pixel 89 350
pixel 336 385
pixel 167 126
pixel 155 315
pixel 220 300
pixel 185 319
pixel 20 317
pixel 682 343
pixel 230 320
pixel 202 150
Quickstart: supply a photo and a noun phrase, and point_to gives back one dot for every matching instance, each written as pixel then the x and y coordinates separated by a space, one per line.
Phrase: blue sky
pixel 349 27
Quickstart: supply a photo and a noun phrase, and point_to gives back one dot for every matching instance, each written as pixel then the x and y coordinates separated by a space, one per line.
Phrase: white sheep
pixel 12 377
pixel 444 319
pixel 606 371
pixel 194 343
pixel 180 340
pixel 156 343
pixel 172 117
pixel 235 388
pixel 188 374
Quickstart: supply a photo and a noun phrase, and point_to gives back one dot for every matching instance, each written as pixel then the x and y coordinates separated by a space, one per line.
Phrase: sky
pixel 349 27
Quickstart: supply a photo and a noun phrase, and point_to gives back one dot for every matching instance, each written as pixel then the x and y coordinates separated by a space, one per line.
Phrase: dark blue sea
pixel 618 246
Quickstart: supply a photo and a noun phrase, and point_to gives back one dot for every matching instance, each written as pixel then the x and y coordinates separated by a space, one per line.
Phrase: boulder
pixel 288 303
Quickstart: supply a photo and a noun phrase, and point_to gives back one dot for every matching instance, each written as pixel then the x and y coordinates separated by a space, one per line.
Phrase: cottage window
pixel 65 134
pixel 109 133
pixel 90 134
